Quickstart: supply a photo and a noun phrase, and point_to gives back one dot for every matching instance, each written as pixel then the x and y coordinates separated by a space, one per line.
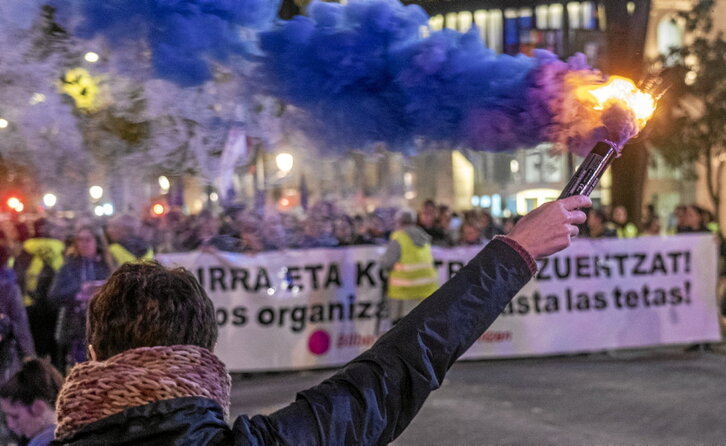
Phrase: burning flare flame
pixel 623 92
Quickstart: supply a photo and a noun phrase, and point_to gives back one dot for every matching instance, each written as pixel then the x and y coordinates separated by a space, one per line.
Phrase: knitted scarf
pixel 97 389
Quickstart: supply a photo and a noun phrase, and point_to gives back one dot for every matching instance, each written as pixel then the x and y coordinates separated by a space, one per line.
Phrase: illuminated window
pixel 589 15
pixel 436 22
pixel 601 19
pixel 480 18
pixel 670 35
pixel 494 32
pixel 511 31
pixel 556 12
pixel 451 19
pixel 574 14
pixel 465 21
pixel 541 13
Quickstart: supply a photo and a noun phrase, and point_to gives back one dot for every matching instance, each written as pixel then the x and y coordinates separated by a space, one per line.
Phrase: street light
pixel 98 210
pixel 49 200
pixel 107 209
pixel 3 123
pixel 14 203
pixel 91 57
pixel 284 162
pixel 96 192
pixel 164 183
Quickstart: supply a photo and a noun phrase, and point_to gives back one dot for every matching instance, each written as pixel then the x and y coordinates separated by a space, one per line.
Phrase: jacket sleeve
pixel 376 395
pixel 391 256
pixel 66 284
pixel 19 316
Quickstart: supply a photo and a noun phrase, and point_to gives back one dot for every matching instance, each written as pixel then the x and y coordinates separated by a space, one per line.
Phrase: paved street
pixel 662 396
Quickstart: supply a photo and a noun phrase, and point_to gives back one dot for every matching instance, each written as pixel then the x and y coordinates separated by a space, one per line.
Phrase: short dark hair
pixel 36 380
pixel 145 305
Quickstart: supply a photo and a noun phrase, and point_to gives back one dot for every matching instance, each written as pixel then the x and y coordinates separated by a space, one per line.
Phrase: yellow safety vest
pixel 121 255
pixel 44 251
pixel 628 231
pixel 414 275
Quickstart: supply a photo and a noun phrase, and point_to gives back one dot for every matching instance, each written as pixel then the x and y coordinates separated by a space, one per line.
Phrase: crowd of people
pixel 51 266
pixel 56 261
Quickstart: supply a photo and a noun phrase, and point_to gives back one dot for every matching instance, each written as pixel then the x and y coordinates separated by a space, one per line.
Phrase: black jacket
pixel 370 401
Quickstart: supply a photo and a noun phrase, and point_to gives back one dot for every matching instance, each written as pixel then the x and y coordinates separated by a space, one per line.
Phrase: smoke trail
pixel 361 73
pixel 183 36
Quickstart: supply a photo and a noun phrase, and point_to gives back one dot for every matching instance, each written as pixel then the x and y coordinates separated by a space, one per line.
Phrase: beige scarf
pixel 97 389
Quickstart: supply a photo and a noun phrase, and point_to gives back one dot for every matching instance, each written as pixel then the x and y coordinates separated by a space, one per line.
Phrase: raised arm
pixel 376 395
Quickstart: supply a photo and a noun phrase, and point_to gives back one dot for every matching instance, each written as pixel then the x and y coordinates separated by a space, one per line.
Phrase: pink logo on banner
pixel 319 342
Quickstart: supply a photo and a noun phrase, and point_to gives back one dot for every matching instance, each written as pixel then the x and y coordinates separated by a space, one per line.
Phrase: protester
pixel 596 225
pixel 651 226
pixel 623 227
pixel 87 264
pixel 28 401
pixel 428 221
pixel 41 257
pixel 408 258
pixel 156 357
pixel 470 235
pixel 488 226
pixel 125 244
pixel 16 341
pixel 693 220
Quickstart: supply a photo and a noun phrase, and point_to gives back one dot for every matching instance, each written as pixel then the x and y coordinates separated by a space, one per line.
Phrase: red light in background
pixel 15 204
pixel 158 209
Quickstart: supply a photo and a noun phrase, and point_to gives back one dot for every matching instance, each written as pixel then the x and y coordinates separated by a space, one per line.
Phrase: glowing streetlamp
pixel 4 123
pixel 15 203
pixel 49 200
pixel 96 192
pixel 164 184
pixel 91 57
pixel 284 162
pixel 107 209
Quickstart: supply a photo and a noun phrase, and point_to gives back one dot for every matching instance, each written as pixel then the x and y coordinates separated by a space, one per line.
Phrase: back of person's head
pixel 41 227
pixel 36 380
pixel 405 217
pixel 123 225
pixel 146 305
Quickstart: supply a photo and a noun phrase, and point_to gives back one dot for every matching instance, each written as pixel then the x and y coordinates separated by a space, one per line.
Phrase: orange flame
pixel 621 91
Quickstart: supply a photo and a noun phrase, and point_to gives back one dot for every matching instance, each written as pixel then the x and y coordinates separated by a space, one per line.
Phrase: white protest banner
pixel 322 307
pixel 612 293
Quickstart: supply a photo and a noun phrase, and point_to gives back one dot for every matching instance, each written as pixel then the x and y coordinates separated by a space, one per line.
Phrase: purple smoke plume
pixel 361 73
pixel 184 36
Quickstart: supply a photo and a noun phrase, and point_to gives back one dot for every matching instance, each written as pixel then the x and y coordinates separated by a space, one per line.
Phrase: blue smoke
pixel 184 36
pixel 362 73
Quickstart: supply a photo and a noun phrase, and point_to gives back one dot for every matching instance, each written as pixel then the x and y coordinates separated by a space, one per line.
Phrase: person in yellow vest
pixel 36 265
pixel 125 244
pixel 412 276
pixel 623 227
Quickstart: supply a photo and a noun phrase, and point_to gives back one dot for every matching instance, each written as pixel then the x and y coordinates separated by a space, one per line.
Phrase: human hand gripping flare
pixel 551 227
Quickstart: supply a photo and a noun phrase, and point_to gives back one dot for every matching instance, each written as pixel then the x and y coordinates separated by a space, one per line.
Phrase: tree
pixel 625 35
pixel 693 131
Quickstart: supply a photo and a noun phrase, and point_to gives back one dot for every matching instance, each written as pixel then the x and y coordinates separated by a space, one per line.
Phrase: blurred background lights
pixel 158 209
pixel 96 192
pixel 37 98
pixel 98 210
pixel 15 203
pixel 164 183
pixel 91 57
pixel 107 209
pixel 49 200
pixel 3 123
pixel 214 196
pixel 284 162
